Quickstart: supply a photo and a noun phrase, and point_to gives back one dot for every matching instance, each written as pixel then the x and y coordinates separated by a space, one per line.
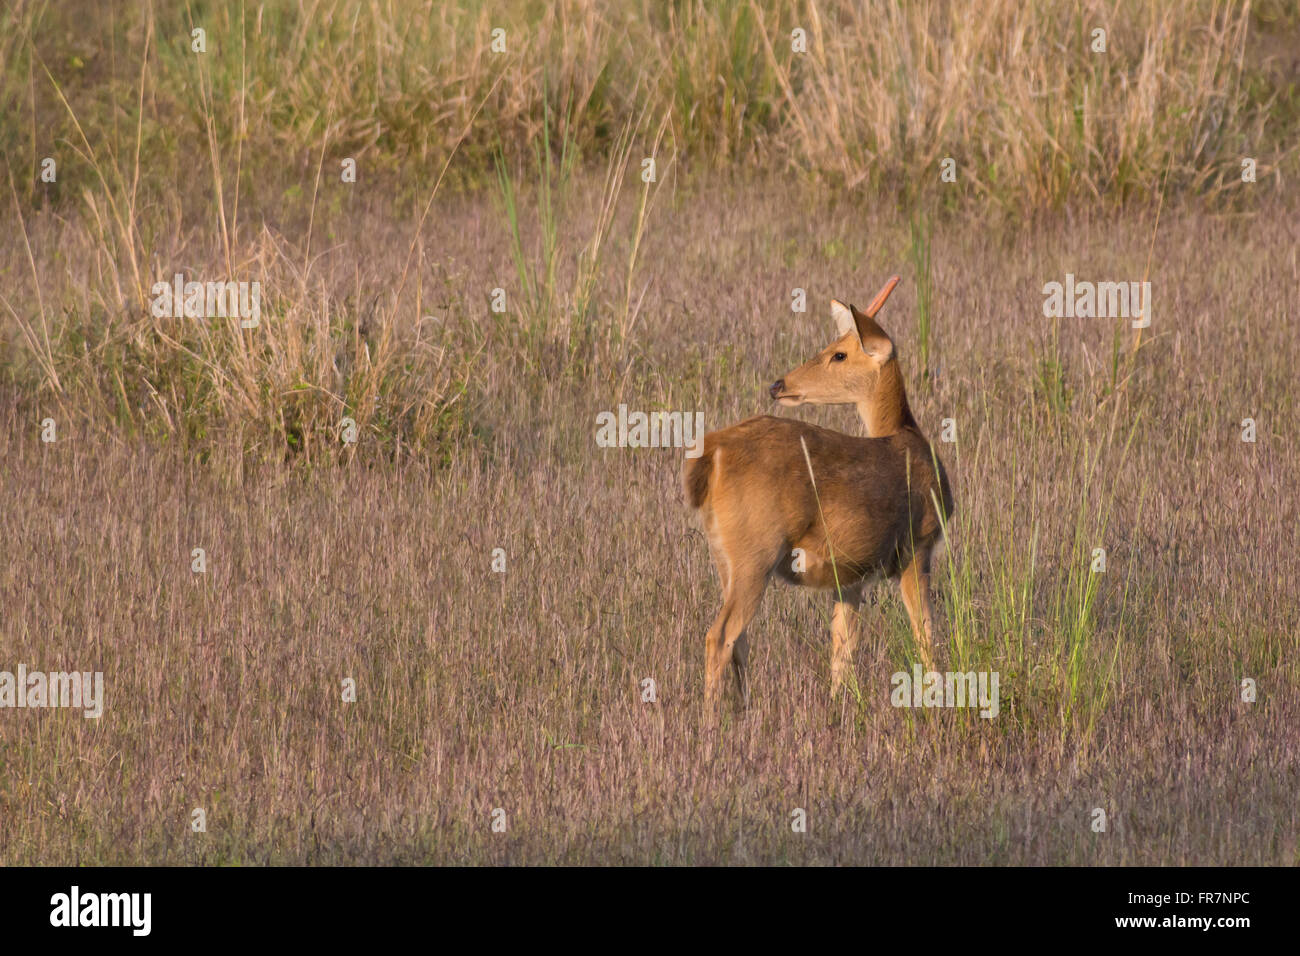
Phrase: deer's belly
pixel 813 566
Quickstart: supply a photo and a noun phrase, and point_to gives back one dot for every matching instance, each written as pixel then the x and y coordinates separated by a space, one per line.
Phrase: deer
pixel 780 497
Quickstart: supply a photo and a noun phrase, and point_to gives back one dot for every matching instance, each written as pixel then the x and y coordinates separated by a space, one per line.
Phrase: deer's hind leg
pixel 726 642
pixel 745 548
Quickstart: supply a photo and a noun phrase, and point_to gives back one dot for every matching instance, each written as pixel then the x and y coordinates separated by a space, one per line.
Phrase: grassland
pixel 521 690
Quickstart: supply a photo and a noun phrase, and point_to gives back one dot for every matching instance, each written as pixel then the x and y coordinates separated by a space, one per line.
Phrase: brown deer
pixel 818 508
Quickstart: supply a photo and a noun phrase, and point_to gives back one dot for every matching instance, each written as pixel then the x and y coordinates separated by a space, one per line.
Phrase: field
pixel 372 563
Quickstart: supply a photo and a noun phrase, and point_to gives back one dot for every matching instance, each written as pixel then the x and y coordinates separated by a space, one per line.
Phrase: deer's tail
pixel 695 478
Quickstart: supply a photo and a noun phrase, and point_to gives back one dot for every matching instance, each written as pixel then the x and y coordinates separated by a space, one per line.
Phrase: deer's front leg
pixel 845 632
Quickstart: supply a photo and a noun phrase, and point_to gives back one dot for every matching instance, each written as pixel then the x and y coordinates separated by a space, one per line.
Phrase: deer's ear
pixel 843 316
pixel 878 347
pixel 875 340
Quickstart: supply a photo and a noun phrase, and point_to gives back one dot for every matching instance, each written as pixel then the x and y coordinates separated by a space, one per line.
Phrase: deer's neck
pixel 887 411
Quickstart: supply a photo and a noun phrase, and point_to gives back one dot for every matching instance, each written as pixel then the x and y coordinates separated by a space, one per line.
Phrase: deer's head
pixel 859 368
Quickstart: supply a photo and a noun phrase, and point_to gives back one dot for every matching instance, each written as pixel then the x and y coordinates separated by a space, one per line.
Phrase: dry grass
pixel 476 429
pixel 520 690
pixel 886 90
pixel 225 165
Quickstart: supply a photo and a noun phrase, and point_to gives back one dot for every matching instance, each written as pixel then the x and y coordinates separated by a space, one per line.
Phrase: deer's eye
pixel 838 357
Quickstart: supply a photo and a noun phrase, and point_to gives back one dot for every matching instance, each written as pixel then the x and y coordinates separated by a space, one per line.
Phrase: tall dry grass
pixel 224 165
pixel 885 90
pixel 522 690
